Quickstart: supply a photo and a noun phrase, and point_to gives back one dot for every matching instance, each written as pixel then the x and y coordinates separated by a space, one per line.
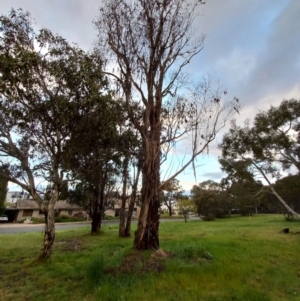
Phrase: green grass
pixel 239 258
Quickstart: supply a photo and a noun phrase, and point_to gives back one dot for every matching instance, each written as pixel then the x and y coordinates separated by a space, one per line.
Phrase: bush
pixel 109 217
pixel 58 219
pixel 78 214
pixel 95 270
pixel 64 216
pixel 36 220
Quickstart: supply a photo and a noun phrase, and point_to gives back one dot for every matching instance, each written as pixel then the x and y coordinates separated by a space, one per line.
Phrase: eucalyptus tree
pixel 131 167
pixel 186 207
pixel 211 201
pixel 94 158
pixel 172 192
pixel 149 43
pixel 289 188
pixel 44 85
pixel 279 132
pixel 100 152
pixel 242 185
pixel 243 147
pixel 134 198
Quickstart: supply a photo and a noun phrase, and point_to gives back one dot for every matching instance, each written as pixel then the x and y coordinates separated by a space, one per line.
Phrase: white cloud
pixel 237 64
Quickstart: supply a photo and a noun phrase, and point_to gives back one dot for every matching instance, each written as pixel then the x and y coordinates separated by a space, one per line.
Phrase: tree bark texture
pixel 170 209
pixel 146 38
pixel 132 203
pixel 286 206
pixel 96 222
pixel 146 235
pixel 281 200
pixel 97 206
pixel 49 234
pixel 123 201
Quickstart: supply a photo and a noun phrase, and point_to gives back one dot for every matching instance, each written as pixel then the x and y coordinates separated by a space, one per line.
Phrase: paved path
pixel 11 228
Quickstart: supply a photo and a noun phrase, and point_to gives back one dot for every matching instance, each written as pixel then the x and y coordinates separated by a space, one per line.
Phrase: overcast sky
pixel 251 46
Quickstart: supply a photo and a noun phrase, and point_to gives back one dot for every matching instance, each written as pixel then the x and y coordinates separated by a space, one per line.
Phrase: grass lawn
pixel 230 259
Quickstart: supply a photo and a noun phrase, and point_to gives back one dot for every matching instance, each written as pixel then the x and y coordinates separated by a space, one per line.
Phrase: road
pixel 10 228
pixel 25 228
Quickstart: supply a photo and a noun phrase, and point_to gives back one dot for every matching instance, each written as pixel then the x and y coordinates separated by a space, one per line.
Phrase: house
pixel 23 209
pixel 116 208
pixel 14 196
pixel 174 205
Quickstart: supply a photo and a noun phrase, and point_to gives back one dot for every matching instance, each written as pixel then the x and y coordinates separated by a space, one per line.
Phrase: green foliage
pixel 186 207
pixel 279 132
pixel 266 149
pixel 55 109
pixel 111 218
pixel 289 188
pixel 212 204
pixel 171 192
pixel 47 88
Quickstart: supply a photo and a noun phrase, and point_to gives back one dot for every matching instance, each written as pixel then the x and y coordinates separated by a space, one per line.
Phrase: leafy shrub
pixel 36 220
pixel 64 216
pixel 58 219
pixel 109 217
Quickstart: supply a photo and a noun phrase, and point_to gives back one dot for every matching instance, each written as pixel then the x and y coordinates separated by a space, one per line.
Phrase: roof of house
pixel 31 204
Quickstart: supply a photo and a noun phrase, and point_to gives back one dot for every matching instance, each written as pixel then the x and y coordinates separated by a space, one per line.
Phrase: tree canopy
pixel 266 149
pixel 46 86
pixel 151 42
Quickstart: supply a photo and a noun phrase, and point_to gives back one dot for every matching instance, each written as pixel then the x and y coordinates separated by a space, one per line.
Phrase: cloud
pixel 214 175
pixel 72 19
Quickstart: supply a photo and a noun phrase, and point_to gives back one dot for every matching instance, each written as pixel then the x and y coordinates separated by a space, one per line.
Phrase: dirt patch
pixel 161 254
pixel 72 245
pixel 141 263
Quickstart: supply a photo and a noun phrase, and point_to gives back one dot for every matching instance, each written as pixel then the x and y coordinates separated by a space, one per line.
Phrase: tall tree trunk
pixel 49 234
pixel 96 213
pixel 129 216
pixel 170 209
pixel 123 201
pixel 96 222
pixel 132 203
pixel 286 206
pixel 146 235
